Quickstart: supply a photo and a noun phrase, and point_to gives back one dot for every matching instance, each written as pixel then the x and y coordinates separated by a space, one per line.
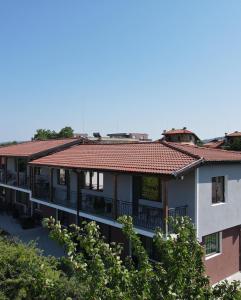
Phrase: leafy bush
pixel 26 274
pixel 178 272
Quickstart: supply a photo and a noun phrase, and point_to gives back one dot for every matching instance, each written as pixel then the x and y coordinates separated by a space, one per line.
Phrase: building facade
pixel 150 182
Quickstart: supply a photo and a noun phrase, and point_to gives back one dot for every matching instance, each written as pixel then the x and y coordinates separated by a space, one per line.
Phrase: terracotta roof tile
pixel 143 158
pixel 209 154
pixel 177 131
pixel 27 149
pixel 235 134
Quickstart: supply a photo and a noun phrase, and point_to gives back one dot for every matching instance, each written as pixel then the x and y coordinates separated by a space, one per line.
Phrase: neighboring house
pixel 14 170
pixel 148 181
pixel 231 138
pixel 180 136
pixel 215 144
pixel 119 138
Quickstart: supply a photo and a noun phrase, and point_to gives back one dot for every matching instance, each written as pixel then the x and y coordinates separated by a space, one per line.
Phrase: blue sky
pixel 129 66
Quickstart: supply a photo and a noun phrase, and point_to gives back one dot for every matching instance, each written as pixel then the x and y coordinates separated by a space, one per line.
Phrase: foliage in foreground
pixel 26 274
pixel 94 270
pixel 178 272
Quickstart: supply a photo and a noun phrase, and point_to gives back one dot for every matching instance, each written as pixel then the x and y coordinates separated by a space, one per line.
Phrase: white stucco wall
pixel 182 192
pixel 217 217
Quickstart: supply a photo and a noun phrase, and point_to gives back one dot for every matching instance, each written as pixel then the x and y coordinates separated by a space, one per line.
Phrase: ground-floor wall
pixel 227 262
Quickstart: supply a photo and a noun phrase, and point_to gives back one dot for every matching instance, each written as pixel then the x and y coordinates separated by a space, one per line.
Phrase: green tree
pixel 178 272
pixel 26 274
pixel 235 146
pixel 66 132
pixel 47 134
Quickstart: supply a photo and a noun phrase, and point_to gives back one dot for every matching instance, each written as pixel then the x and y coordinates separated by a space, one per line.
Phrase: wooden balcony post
pixel 115 197
pixel 80 185
pixel 6 170
pixel 17 165
pixel 67 172
pixel 51 176
pixel 34 180
pixel 165 206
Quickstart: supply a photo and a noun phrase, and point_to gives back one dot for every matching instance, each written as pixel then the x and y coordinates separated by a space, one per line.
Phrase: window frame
pixel 159 198
pixel 215 198
pixel 89 185
pixel 59 177
pixel 218 250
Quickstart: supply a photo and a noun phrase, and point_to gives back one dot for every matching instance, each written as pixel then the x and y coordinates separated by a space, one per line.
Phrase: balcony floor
pixel 38 234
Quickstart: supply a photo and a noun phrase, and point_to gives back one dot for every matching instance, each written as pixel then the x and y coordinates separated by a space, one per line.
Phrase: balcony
pixel 2 175
pixel 97 205
pixel 144 216
pixel 13 180
pixel 60 197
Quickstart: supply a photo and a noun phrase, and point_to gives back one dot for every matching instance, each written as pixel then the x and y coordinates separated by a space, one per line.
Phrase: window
pixel 94 180
pixel 218 189
pixel 212 243
pixel 61 176
pixel 38 171
pixel 20 164
pixel 150 188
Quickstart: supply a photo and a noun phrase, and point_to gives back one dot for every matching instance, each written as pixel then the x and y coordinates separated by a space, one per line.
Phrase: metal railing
pixel 144 216
pixel 41 191
pixel 2 175
pixel 180 211
pixel 23 180
pixel 60 197
pixel 97 205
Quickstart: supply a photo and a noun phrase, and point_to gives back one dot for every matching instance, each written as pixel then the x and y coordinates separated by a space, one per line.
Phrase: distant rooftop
pixel 32 148
pixel 234 134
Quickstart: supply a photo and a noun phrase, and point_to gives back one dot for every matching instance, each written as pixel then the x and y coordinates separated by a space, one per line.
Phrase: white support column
pixel 197 201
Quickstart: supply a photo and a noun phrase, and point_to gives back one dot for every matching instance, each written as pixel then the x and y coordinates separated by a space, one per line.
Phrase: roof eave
pixel 188 168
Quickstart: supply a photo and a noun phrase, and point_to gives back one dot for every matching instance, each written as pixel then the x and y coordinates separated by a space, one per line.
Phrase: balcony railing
pixel 2 175
pixel 60 197
pixel 12 178
pixel 144 216
pixel 41 191
pixel 97 205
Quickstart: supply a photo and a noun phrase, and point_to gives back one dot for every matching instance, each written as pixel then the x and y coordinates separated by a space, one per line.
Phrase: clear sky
pixel 128 66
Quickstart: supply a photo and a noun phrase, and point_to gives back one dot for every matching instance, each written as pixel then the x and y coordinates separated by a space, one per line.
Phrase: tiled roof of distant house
pixel 32 148
pixel 208 154
pixel 177 131
pixel 234 134
pixel 214 144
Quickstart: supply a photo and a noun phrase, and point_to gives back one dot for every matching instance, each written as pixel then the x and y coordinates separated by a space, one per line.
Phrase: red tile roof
pixel 28 149
pixel 178 131
pixel 214 144
pixel 143 158
pixel 234 134
pixel 153 157
pixel 208 154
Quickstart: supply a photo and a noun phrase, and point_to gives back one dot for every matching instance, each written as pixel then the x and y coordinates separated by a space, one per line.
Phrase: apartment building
pixel 15 174
pixel 149 181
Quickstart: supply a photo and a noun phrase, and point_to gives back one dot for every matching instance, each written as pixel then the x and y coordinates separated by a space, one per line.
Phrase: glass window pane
pixel 212 243
pixel 150 188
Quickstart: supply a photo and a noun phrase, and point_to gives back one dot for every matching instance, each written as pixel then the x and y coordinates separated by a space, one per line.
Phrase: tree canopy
pixel 47 134
pixel 93 269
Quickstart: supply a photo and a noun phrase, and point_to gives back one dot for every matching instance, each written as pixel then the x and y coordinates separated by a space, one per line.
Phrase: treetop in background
pixel 47 134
